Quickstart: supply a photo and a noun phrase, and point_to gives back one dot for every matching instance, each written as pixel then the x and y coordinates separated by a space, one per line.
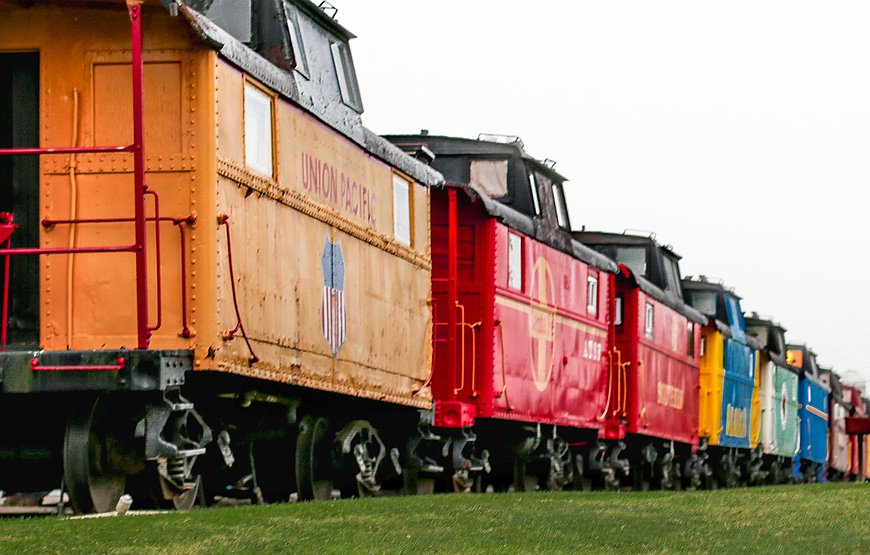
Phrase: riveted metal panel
pixel 370 334
pixel 85 87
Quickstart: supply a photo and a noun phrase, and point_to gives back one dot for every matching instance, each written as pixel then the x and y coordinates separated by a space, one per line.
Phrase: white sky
pixel 737 131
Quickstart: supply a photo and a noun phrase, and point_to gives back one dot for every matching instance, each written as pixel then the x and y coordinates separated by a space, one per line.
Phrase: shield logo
pixel 333 313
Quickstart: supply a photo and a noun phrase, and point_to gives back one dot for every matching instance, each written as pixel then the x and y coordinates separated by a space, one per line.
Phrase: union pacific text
pixel 328 183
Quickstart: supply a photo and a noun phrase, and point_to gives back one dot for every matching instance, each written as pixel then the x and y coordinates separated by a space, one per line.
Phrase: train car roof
pixel 284 82
pixel 703 284
pixel 526 225
pixel 834 383
pixel 498 147
pixel 780 358
pixel 665 296
pixel 809 365
pixel 611 238
pixel 456 146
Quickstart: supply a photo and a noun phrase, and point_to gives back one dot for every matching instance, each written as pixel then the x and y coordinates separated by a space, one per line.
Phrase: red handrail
pixel 36 366
pixel 134 9
pixel 137 149
pixel 66 150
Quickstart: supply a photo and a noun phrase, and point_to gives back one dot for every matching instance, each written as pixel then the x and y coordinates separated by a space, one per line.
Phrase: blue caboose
pixel 811 458
pixel 728 374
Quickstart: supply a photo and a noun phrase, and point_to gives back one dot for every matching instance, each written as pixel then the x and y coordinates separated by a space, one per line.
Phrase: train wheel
pixel 678 476
pixel 642 477
pixel 314 459
pixel 97 455
pixel 774 475
pixel 580 479
pixel 523 481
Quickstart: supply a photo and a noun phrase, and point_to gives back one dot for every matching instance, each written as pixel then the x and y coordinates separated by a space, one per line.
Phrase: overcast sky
pixel 738 132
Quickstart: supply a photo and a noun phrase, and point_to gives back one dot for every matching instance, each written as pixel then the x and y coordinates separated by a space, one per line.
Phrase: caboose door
pixel 19 190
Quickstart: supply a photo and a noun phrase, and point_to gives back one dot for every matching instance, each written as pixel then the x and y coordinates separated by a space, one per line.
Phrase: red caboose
pixel 852 396
pixel 521 313
pixel 654 368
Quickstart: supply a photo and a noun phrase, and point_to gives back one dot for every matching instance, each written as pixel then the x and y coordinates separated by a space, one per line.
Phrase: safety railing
pixel 136 149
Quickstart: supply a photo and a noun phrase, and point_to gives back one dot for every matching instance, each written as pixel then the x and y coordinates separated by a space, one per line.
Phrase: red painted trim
pixel 5 324
pixel 37 367
pixel 67 250
pixel 452 286
pixel 66 150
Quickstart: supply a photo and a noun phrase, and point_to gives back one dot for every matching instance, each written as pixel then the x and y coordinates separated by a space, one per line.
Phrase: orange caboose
pixel 216 276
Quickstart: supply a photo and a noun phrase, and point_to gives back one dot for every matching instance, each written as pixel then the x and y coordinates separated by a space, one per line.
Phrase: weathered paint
pixel 194 146
pixel 85 78
pixel 280 226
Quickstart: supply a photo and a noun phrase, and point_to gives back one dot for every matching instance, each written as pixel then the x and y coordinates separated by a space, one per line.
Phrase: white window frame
pixel 536 202
pixel 402 229
pixel 259 130
pixel 561 208
pixel 515 261
pixel 618 311
pixel 296 41
pixel 592 294
pixel 347 82
pixel 649 321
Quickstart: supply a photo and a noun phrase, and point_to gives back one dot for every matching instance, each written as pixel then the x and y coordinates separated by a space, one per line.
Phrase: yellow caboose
pixel 217 278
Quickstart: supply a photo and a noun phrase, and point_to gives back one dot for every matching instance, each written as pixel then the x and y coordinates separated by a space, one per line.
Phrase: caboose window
pixel 533 185
pixel 704 302
pixel 650 316
pixel 490 177
pixel 296 40
pixel 617 309
pixel 561 210
pixel 515 262
pixel 673 276
pixel 592 294
pixel 401 210
pixel 703 350
pixel 346 76
pixel 258 130
pixel 634 258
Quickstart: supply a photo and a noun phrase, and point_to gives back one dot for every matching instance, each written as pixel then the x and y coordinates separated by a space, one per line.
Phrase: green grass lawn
pixel 796 519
